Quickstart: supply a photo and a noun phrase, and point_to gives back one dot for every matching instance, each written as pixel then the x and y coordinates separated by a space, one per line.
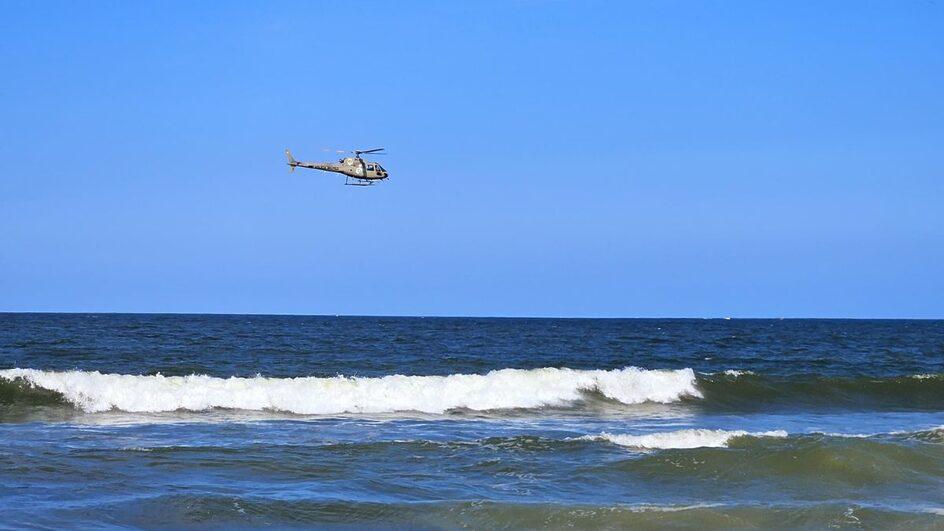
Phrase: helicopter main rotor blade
pixel 368 150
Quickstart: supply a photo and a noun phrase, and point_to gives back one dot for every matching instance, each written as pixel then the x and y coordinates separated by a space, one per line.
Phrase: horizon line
pixel 536 317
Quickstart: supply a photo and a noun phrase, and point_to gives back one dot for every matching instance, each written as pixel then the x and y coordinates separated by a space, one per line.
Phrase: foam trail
pixel 501 389
pixel 681 439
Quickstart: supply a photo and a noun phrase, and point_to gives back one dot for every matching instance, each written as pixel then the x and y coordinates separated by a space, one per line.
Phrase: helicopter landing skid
pixel 354 181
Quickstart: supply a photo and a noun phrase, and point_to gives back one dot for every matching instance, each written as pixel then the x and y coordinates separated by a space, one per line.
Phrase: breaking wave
pixel 681 439
pixel 501 389
pixel 504 389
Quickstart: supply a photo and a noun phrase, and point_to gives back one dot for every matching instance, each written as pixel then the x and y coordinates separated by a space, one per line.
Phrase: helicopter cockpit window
pixel 370 167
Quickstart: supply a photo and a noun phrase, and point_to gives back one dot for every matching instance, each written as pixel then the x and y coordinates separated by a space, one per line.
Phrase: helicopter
pixel 357 171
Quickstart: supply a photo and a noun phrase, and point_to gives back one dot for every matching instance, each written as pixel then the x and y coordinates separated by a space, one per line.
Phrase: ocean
pixel 227 421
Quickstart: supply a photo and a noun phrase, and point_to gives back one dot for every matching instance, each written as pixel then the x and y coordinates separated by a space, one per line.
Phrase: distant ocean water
pixel 226 421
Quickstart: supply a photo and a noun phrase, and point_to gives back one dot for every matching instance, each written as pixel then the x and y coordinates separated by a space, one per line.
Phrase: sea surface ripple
pixel 110 420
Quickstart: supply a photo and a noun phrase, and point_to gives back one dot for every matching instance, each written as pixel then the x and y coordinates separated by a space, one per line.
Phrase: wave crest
pixel 681 439
pixel 745 390
pixel 501 389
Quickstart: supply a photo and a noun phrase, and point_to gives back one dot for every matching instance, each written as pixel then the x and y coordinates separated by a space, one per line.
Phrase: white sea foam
pixel 501 389
pixel 692 438
pixel 846 435
pixel 671 508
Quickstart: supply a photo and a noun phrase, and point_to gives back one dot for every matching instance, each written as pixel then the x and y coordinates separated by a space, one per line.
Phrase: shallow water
pixel 177 421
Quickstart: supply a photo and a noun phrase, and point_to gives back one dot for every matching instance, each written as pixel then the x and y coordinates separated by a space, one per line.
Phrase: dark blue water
pixel 222 421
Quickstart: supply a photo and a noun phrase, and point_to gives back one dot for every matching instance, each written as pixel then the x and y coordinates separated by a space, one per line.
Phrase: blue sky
pixel 635 159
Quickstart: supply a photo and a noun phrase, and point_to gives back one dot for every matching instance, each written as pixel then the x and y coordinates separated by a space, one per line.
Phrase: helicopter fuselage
pixel 354 167
pixel 358 168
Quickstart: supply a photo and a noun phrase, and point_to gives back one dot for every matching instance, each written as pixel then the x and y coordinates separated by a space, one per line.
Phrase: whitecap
pixel 681 439
pixel 500 389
